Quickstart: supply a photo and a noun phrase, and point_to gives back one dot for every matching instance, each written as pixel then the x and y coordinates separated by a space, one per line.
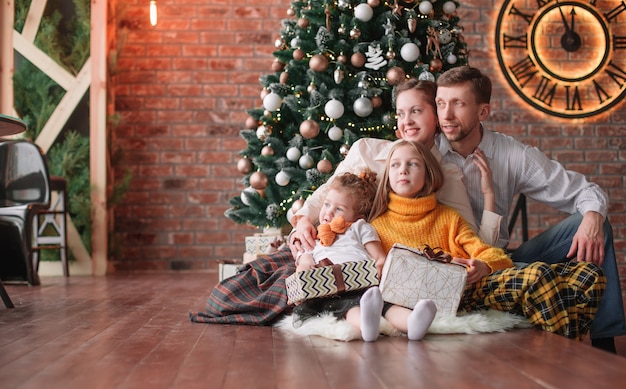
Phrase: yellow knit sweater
pixel 414 222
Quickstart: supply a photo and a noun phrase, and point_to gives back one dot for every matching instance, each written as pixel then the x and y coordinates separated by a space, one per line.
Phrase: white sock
pixel 420 319
pixel 371 311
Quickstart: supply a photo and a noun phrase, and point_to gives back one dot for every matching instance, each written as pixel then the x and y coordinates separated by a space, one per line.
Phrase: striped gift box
pixel 330 280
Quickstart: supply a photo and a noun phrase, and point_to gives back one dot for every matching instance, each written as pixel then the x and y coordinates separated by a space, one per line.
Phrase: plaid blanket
pixel 256 295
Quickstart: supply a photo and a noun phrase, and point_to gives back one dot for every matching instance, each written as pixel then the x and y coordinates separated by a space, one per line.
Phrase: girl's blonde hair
pixel 432 182
pixel 361 189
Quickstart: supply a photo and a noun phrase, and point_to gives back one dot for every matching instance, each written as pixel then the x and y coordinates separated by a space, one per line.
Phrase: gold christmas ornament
pixel 298 54
pixel 357 59
pixel 309 129
pixel 342 58
pixel 377 101
pixel 267 151
pixel 355 33
pixel 264 92
pixel 318 63
pixel 277 66
pixel 324 166
pixel 311 88
pixel 258 180
pixel 435 65
pixel 244 166
pixel 251 123
pixel 411 24
pixel 303 23
pixel 373 3
pixel 284 77
pixel 395 75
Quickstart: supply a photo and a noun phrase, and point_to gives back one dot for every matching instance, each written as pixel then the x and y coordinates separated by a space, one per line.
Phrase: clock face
pixel 566 58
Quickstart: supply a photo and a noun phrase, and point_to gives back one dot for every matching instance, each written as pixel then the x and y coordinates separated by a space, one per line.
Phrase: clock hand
pixel 567 28
pixel 570 40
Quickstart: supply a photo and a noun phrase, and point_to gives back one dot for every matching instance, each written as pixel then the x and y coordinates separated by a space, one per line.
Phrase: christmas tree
pixel 332 83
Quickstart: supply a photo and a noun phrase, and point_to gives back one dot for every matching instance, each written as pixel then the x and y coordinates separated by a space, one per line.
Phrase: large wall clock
pixel 566 58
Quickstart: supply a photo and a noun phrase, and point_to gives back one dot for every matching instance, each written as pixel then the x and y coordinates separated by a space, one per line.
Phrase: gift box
pixel 410 275
pixel 228 268
pixel 262 244
pixel 326 281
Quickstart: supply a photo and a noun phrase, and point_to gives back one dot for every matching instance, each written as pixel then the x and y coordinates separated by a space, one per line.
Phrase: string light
pixel 153 13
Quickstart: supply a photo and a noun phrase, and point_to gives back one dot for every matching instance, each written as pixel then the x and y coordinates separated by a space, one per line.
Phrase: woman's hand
pixel 303 236
pixel 486 182
pixel 476 269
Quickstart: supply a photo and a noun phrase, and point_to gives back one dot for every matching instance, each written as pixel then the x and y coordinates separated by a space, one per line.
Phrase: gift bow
pixel 439 256
pixel 327 233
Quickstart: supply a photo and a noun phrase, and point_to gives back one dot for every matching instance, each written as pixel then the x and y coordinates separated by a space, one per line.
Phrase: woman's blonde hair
pixel 432 182
pixel 361 188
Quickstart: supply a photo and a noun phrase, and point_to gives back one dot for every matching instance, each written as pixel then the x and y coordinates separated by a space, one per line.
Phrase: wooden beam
pixel 66 107
pixel 40 59
pixel 6 59
pixel 98 136
pixel 33 20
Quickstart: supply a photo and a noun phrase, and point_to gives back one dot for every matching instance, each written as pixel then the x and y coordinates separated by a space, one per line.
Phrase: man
pixel 463 98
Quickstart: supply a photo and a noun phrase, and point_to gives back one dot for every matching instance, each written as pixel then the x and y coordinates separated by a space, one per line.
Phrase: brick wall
pixel 181 90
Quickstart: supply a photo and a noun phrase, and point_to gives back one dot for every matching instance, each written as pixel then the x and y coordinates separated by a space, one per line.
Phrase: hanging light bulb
pixel 153 12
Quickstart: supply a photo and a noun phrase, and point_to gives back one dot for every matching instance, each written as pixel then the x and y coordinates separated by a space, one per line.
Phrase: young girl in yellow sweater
pixel 561 298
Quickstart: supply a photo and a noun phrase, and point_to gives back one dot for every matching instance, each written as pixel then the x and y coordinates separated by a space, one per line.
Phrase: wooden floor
pixel 133 331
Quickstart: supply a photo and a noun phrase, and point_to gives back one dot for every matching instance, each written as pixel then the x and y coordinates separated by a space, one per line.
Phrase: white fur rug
pixel 464 323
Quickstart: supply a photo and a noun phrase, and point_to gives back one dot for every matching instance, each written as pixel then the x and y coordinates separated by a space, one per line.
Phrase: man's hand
pixel 486 182
pixel 588 242
pixel 476 269
pixel 303 236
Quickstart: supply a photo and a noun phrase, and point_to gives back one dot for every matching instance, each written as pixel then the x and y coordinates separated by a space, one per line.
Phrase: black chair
pixel 520 211
pixel 24 191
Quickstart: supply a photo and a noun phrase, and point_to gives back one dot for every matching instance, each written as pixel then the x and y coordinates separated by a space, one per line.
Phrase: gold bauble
pixel 395 75
pixel 258 180
pixel 342 58
pixel 373 3
pixel 311 88
pixel 244 166
pixel 318 63
pixel 324 166
pixel 355 33
pixel 298 54
pixel 303 23
pixel 309 129
pixel 251 123
pixel 357 60
pixel 284 78
pixel 277 66
pixel 435 65
pixel 264 92
pixel 267 151
pixel 377 101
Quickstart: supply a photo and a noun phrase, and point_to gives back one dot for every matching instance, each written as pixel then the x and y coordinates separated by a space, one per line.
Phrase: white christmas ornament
pixel 293 154
pixel 249 191
pixel 375 58
pixel 363 107
pixel 306 161
pixel 425 7
pixel 449 7
pixel 282 178
pixel 410 52
pixel 295 43
pixel 445 36
pixel 272 102
pixel 451 59
pixel 334 109
pixel 363 12
pixel 335 133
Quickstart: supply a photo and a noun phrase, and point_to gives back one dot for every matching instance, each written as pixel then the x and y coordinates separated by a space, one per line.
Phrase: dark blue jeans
pixel 552 245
